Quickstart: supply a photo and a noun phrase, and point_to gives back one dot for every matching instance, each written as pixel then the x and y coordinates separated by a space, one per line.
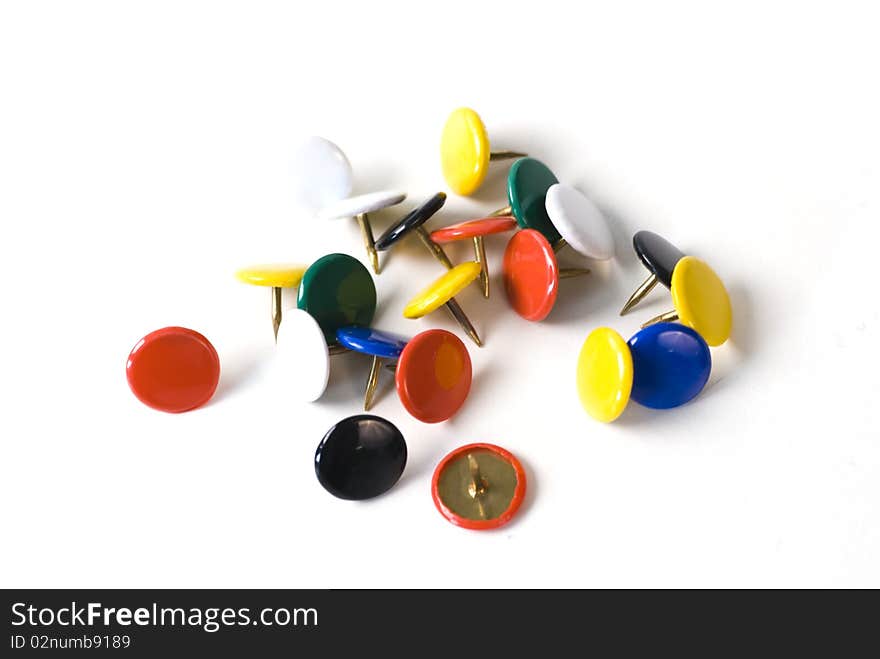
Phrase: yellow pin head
pixel 604 374
pixel 442 290
pixel 464 151
pixel 276 275
pixel 701 300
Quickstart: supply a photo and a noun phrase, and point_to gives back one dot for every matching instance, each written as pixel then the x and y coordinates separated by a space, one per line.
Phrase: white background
pixel 144 153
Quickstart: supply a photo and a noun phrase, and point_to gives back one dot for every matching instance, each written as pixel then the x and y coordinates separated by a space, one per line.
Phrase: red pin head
pixel 434 375
pixel 173 369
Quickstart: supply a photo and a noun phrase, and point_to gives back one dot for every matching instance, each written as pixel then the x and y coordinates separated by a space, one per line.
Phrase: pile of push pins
pixel 478 486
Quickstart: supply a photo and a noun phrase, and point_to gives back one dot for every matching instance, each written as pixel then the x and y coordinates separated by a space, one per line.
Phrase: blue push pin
pixel 376 343
pixel 671 365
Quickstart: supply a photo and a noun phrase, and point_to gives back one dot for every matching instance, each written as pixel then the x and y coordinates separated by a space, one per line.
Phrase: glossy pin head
pixel 476 230
pixel 360 457
pixel 579 221
pixel 671 365
pixel 532 274
pixel 412 223
pixel 701 301
pixel 303 356
pixel 443 291
pixel 276 276
pixel 604 374
pixel 661 367
pixel 527 185
pixel 337 290
pixel 434 375
pixel 376 343
pixel 321 174
pixel 464 151
pixel 173 369
pixel 660 257
pixel 323 182
pixel 479 486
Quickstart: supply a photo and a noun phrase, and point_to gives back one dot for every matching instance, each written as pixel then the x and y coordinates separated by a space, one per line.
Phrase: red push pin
pixel 173 369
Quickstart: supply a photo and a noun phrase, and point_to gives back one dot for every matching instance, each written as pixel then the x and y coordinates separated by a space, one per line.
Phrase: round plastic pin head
pixel 173 369
pixel 377 344
pixel 532 274
pixel 304 356
pixel 671 365
pixel 321 174
pixel 412 223
pixel 337 290
pixel 479 486
pixel 360 457
pixel 527 184
pixel 323 182
pixel 275 276
pixel 434 376
pixel 476 230
pixel 579 221
pixel 662 366
pixel 604 374
pixel 465 153
pixel 700 300
pixel 660 257
pixel 443 291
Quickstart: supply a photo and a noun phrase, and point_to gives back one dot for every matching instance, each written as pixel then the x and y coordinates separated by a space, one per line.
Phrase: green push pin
pixel 338 291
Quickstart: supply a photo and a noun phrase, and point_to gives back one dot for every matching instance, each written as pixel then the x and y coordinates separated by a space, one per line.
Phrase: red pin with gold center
pixel 479 486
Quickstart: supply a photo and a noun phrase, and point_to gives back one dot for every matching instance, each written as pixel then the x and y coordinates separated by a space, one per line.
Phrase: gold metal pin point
pixel 640 293
pixel 501 212
pixel 480 257
pixel 668 317
pixel 372 382
pixel 459 315
pixel 568 273
pixel 442 292
pixel 363 221
pixel 505 155
pixel 276 277
pixel 436 251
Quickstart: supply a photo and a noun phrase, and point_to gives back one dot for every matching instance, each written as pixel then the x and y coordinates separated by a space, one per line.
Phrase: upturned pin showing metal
pixel 464 151
pixel 476 230
pixel 660 257
pixel 478 486
pixel 323 181
pixel 413 222
pixel 532 274
pixel 277 276
pixel 442 292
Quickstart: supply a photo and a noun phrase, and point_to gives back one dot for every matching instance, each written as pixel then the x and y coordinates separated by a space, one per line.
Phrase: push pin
pixel 413 222
pixel 579 221
pixel 476 230
pixel 277 276
pixel 532 274
pixel 660 257
pixel 323 177
pixel 479 486
pixel 443 291
pixel 434 375
pixel 661 366
pixel 700 300
pixel 360 457
pixel 375 343
pixel 173 369
pixel 337 290
pixel 527 184
pixel 304 356
pixel 464 151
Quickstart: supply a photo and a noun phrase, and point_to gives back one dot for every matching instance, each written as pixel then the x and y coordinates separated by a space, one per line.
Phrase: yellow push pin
pixel 701 301
pixel 443 291
pixel 464 151
pixel 276 275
